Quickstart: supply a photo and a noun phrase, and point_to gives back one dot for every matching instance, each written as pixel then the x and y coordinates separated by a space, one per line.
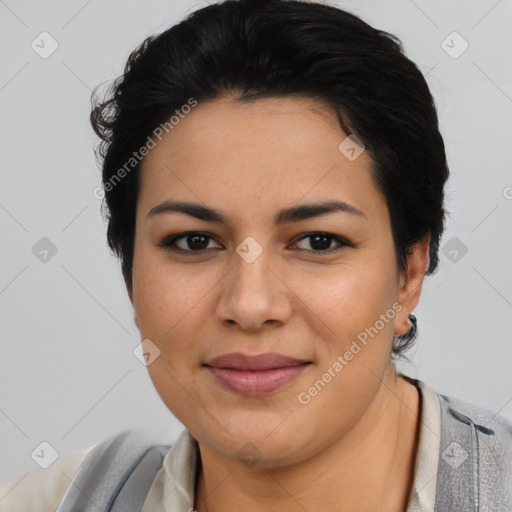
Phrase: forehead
pixel 267 152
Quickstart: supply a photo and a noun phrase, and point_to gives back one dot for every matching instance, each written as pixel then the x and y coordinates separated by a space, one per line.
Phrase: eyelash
pixel 168 243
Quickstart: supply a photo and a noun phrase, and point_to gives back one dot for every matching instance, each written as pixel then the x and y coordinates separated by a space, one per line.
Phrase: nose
pixel 253 294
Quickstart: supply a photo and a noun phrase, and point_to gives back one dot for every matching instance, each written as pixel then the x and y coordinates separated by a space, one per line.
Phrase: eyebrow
pixel 285 215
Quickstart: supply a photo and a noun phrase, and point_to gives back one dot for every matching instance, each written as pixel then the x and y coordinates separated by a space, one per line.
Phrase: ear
pixel 410 283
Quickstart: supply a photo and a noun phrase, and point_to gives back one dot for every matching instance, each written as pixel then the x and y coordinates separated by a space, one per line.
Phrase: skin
pixel 353 446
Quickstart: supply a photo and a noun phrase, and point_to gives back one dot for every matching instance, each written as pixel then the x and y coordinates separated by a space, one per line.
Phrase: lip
pixel 265 361
pixel 254 375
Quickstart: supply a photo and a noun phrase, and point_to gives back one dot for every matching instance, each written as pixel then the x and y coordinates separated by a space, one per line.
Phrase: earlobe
pixel 411 282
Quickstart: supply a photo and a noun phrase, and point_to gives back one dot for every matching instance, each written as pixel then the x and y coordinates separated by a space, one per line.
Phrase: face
pixel 307 285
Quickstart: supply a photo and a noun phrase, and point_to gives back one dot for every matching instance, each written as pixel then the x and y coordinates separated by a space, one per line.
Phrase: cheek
pixel 167 305
pixel 179 389
pixel 348 299
pixel 164 297
pixel 360 313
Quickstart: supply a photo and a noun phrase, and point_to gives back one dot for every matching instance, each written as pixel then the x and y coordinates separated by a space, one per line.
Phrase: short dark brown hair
pixel 275 48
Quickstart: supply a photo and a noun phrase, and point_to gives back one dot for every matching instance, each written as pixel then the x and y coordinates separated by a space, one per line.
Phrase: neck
pixel 369 468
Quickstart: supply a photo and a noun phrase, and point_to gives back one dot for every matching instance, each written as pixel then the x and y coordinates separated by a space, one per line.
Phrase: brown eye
pixel 197 242
pixel 190 242
pixel 322 242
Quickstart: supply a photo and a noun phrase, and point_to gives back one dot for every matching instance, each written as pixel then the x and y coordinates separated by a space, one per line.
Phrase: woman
pixel 273 174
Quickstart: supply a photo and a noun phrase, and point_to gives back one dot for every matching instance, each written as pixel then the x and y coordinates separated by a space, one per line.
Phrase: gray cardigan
pixel 477 448
pixel 474 471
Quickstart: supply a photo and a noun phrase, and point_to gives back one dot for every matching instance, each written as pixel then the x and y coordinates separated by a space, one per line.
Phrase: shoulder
pixel 458 416
pixel 475 463
pixel 41 490
pixel 129 457
pixel 120 469
pixel 495 428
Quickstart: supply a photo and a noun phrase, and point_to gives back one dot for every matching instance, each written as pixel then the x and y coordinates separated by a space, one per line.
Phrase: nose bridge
pixel 251 269
pixel 252 293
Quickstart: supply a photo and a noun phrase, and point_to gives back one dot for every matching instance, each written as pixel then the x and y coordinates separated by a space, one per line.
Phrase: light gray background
pixel 68 373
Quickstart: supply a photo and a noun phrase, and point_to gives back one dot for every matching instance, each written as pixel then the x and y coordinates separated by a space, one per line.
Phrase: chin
pixel 263 442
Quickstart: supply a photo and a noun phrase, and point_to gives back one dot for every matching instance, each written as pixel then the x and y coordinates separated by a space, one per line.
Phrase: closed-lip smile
pixel 257 374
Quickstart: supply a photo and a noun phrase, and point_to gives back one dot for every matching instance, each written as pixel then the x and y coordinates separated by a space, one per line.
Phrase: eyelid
pixel 167 243
pixel 341 240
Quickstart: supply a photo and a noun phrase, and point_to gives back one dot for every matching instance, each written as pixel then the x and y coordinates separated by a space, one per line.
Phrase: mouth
pixel 255 375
